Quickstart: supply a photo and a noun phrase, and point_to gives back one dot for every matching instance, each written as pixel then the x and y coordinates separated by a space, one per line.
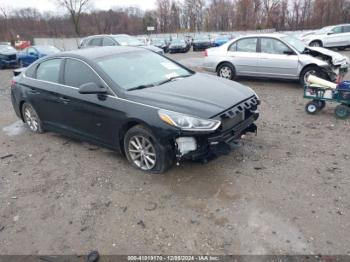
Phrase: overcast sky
pixel 48 5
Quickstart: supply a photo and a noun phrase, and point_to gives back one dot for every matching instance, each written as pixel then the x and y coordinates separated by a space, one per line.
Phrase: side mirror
pixel 288 52
pixel 92 88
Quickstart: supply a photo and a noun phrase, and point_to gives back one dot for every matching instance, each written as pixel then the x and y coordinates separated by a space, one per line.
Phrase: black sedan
pixel 135 101
pixel 179 46
pixel 201 42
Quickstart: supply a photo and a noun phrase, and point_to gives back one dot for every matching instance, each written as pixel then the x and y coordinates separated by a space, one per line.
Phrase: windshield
pixel 127 40
pixel 324 30
pixel 158 41
pixel 7 48
pixel 178 41
pixel 47 49
pixel 294 42
pixel 130 70
pixel 202 37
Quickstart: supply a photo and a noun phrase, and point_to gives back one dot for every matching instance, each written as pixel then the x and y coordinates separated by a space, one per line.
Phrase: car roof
pixel 273 35
pixel 104 35
pixel 98 52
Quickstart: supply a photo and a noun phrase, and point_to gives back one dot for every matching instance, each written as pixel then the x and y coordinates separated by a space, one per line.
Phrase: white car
pixel 330 36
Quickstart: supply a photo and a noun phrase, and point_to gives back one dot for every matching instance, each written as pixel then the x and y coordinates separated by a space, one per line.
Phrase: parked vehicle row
pixel 274 56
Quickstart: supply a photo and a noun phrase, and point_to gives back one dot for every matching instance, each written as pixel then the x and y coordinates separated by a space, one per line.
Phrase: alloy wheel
pixel 142 152
pixel 31 118
pixel 226 72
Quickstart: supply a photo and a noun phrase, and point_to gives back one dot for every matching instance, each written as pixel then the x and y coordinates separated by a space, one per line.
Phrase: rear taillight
pixel 206 52
pixel 13 82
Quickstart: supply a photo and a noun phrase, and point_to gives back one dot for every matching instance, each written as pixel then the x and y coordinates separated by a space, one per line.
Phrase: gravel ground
pixel 285 191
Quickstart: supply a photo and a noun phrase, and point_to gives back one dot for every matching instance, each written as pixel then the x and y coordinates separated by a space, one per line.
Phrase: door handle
pixel 64 100
pixel 34 91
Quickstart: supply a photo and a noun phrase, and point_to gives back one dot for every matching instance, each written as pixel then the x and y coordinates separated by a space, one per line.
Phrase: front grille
pixel 238 113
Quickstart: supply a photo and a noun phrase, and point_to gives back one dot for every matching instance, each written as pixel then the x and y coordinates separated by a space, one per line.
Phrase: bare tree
pixel 75 9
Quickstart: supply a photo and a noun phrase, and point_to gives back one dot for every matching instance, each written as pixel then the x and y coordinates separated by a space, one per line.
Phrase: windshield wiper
pixel 141 87
pixel 171 79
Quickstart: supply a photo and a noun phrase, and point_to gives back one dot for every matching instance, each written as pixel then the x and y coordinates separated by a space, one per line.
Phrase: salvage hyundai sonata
pixel 146 106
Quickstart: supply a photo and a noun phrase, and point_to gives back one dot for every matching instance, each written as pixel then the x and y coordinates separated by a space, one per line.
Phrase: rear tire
pixel 145 153
pixel 342 111
pixel 311 70
pixel 226 70
pixel 31 118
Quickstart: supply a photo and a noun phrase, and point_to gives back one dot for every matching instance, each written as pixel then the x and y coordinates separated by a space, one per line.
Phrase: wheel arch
pixel 317 40
pixel 20 109
pixel 225 62
pixel 306 66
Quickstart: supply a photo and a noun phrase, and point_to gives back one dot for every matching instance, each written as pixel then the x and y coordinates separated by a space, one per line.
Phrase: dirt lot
pixel 286 191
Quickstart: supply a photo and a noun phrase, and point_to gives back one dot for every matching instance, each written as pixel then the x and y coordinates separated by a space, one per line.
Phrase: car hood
pixel 8 53
pixel 152 48
pixel 199 95
pixel 337 59
pixel 311 36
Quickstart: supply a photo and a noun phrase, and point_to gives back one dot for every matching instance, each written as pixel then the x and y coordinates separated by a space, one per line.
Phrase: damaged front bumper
pixel 203 147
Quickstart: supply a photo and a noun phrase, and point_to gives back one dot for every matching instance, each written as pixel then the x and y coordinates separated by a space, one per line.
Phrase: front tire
pixel 310 70
pixel 144 152
pixel 226 70
pixel 341 48
pixel 32 119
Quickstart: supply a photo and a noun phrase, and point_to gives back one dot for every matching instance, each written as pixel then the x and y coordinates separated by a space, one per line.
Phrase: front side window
pixel 273 46
pixel 107 42
pixel 95 42
pixel 77 73
pixel 137 68
pixel 247 45
pixel 49 70
pixel 337 30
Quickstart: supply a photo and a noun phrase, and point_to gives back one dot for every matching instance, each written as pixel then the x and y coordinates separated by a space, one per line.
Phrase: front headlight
pixel 188 123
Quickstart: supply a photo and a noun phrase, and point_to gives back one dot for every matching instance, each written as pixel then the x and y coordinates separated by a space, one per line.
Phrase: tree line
pixel 172 16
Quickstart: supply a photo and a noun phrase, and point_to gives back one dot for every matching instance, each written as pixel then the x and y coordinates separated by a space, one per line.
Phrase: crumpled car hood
pixel 337 59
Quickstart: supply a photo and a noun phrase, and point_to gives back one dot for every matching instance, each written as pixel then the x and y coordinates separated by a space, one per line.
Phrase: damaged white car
pixel 274 56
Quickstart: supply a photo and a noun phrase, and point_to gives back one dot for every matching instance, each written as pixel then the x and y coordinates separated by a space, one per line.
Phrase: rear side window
pixel 247 45
pixel 107 41
pixel 77 73
pixel 95 42
pixel 49 70
pixel 346 29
